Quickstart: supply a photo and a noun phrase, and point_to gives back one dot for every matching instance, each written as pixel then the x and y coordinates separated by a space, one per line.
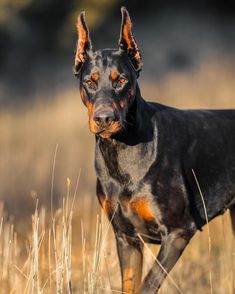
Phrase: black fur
pixel 145 178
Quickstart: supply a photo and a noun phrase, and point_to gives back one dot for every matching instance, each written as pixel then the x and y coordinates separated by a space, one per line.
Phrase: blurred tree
pixel 37 33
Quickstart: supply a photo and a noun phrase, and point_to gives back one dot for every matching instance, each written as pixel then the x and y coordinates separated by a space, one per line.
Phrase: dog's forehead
pixel 109 60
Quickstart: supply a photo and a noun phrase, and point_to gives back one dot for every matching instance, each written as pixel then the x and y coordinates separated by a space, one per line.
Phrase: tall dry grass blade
pixel 208 227
pixel 32 286
pixel 83 257
pixel 93 274
pixel 76 190
pixel 106 233
pixel 1 226
pixel 109 288
pixel 6 253
pixel 49 258
pixel 52 178
pixel 1 217
pixel 62 240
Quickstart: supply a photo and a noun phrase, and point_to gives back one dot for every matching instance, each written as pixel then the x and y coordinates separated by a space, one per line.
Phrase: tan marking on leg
pixel 109 207
pixel 128 277
pixel 132 272
pixel 106 206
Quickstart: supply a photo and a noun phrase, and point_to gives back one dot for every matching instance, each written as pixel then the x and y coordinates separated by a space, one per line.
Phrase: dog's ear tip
pixel 124 10
pixel 81 16
pixel 82 13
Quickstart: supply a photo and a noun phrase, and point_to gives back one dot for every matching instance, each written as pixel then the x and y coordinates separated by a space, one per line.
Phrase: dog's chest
pixel 122 170
pixel 136 161
pixel 144 214
pixel 138 215
pixel 124 164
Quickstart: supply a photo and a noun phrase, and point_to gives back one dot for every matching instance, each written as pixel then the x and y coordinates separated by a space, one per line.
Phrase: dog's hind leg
pixel 232 215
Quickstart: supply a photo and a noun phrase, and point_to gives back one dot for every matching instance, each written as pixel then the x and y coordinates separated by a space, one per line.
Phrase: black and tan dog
pixel 145 157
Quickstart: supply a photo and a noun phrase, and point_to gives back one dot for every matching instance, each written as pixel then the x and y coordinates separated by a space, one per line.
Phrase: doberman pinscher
pixel 149 159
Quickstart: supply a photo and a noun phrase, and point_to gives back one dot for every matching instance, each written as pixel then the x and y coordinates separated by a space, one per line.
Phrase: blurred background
pixel 188 51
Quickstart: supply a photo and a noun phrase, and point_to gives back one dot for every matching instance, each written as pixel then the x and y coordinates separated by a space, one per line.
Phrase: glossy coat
pixel 151 160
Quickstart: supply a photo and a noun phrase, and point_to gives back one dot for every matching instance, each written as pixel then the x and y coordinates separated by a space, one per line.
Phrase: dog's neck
pixel 136 146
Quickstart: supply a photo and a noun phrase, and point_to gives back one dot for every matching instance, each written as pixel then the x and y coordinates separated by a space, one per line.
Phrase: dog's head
pixel 107 77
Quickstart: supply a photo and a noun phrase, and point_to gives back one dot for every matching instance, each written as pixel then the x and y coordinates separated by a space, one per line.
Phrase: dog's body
pixel 150 160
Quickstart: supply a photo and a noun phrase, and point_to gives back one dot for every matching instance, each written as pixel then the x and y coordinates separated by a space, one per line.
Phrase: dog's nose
pixel 104 119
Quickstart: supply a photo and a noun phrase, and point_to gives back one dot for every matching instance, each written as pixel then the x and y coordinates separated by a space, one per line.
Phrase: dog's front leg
pixel 131 261
pixel 171 248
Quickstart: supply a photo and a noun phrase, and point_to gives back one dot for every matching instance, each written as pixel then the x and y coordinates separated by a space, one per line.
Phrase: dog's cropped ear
pixel 84 43
pixel 127 41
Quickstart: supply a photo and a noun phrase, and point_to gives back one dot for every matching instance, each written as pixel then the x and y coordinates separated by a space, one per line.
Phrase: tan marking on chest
pixel 108 206
pixel 142 207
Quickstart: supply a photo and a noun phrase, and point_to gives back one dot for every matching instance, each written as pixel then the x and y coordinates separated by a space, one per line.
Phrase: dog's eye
pixel 122 81
pixel 89 83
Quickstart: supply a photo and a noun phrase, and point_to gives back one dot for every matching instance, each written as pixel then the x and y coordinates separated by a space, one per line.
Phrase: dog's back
pixel 202 141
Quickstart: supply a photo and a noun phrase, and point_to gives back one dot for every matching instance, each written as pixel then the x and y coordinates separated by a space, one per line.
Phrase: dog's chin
pixel 109 133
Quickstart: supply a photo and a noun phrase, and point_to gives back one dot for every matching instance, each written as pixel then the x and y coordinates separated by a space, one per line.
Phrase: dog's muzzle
pixel 105 123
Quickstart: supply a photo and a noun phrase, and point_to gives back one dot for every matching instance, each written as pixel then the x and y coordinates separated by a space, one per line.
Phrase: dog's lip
pixel 108 132
pixel 100 132
pixel 105 131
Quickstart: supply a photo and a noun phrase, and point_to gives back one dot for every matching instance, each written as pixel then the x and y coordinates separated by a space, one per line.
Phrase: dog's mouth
pixel 106 132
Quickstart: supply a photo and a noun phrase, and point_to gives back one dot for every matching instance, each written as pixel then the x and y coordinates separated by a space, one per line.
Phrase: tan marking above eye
pixel 114 75
pixel 95 76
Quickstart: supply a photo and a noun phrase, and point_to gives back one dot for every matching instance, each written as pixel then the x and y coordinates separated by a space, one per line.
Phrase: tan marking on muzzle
pixel 83 97
pixel 92 124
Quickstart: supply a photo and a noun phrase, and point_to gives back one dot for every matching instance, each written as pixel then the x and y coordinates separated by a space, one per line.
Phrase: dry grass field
pixel 46 155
